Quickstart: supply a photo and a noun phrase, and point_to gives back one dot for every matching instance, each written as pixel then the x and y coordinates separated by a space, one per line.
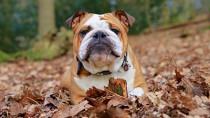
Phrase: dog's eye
pixel 115 31
pixel 84 32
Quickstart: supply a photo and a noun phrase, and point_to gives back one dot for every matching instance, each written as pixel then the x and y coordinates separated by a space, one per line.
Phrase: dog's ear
pixel 124 17
pixel 75 19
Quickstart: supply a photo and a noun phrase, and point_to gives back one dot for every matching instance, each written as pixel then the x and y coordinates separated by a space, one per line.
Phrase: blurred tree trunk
pixel 148 13
pixel 51 44
pixel 165 13
pixel 46 16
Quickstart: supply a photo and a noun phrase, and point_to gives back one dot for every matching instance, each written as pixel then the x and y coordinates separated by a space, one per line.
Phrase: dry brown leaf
pixel 155 98
pixel 117 101
pixel 115 112
pixel 53 101
pixel 200 112
pixel 78 108
pixel 32 96
pixel 16 109
pixel 94 92
pixel 206 89
pixel 178 76
pixel 94 102
pixel 47 97
pixel 144 100
pixel 95 111
pixel 63 111
pixel 32 110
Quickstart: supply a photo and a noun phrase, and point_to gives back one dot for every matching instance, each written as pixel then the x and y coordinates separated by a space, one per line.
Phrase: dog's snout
pixel 99 35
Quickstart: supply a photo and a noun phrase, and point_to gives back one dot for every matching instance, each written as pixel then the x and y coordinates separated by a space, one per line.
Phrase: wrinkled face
pixel 100 44
pixel 100 41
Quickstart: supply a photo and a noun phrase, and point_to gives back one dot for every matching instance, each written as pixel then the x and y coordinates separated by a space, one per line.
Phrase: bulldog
pixel 101 51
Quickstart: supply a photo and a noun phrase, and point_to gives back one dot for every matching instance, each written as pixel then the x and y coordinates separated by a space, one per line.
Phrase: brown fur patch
pixel 77 38
pixel 117 24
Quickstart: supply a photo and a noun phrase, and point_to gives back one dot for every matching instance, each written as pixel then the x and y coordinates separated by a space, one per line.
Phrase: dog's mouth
pixel 100 51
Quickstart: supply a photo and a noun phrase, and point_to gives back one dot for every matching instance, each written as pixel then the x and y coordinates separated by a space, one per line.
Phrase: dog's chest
pixel 100 81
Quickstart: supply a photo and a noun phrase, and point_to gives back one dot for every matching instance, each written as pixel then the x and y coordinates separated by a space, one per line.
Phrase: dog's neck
pixel 82 71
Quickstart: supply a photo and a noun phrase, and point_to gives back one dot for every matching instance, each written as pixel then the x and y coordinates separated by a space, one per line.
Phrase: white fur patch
pixel 100 81
pixel 96 22
pixel 136 92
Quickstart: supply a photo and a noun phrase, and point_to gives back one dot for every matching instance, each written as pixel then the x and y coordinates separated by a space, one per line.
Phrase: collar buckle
pixel 125 64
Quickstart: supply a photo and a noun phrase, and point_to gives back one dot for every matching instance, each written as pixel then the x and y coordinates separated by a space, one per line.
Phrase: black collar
pixel 125 66
pixel 106 72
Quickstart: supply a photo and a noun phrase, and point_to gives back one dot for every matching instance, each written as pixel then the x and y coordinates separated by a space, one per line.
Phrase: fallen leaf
pixel 178 76
pixel 53 101
pixel 32 110
pixel 115 112
pixel 78 108
pixel 94 92
pixel 16 109
pixel 117 101
pixel 94 102
pixel 63 111
pixel 200 112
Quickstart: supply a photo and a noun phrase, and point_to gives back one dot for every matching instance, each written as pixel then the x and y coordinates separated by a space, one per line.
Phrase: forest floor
pixel 175 64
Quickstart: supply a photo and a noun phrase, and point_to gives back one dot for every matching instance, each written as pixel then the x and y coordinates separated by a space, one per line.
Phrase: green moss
pixel 5 57
pixel 48 47
pixel 184 34
pixel 207 27
pixel 119 90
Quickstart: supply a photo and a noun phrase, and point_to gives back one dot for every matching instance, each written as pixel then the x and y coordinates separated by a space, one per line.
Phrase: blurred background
pixel 36 29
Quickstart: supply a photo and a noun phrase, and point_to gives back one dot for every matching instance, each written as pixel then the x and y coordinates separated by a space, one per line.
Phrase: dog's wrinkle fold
pixel 105 42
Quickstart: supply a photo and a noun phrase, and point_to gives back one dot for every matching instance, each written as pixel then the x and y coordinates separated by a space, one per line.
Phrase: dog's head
pixel 100 41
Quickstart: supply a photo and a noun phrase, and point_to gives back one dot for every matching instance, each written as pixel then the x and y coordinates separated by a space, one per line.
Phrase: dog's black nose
pixel 99 35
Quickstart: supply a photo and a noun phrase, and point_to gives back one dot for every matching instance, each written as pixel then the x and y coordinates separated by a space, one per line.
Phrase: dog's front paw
pixel 136 92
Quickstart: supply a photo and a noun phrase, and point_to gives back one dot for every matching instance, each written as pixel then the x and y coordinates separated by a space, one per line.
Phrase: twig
pixel 33 100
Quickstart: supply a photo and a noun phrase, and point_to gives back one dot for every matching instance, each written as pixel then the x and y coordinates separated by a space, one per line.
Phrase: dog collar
pixel 125 66
pixel 106 72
